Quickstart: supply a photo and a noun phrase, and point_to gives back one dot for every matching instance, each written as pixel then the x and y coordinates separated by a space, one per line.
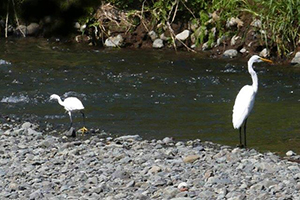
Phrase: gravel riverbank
pixel 34 165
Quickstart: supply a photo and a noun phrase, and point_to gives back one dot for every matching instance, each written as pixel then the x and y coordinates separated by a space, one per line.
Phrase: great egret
pixel 71 104
pixel 245 100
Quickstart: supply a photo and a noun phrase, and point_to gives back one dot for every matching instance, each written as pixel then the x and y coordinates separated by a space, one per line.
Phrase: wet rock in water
pixel 296 59
pixel 230 53
pixel 183 35
pixel 116 41
pixel 158 44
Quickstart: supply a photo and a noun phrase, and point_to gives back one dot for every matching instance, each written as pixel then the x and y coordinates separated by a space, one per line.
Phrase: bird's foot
pixel 83 130
pixel 241 146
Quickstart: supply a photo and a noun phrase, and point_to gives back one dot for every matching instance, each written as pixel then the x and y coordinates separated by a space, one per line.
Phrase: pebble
pixel 128 167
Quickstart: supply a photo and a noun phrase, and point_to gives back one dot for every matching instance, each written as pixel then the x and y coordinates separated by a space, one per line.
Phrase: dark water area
pixel 153 93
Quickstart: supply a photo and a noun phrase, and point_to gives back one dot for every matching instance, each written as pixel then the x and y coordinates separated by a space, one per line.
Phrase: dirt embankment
pixel 111 27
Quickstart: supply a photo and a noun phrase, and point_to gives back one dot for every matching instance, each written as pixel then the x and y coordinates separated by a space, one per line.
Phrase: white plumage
pixel 244 101
pixel 71 104
pixel 243 105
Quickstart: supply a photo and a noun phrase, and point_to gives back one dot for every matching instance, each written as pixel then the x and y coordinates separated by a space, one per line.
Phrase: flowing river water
pixel 153 93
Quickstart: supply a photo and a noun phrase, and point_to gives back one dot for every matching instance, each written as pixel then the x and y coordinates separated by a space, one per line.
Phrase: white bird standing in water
pixel 71 104
pixel 244 101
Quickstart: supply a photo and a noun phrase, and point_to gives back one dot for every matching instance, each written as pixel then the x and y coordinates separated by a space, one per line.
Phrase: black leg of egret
pixel 83 118
pixel 245 124
pixel 240 130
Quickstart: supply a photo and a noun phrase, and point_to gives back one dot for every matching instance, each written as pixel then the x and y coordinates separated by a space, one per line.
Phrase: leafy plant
pixel 280 22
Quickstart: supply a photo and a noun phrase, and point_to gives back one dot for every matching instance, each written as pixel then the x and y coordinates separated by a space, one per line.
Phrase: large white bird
pixel 244 101
pixel 71 104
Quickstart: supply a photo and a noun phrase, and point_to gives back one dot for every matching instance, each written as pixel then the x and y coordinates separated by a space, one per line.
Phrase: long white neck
pixel 253 76
pixel 60 101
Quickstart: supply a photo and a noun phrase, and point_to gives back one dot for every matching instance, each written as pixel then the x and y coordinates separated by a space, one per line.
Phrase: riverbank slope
pixel 268 28
pixel 35 165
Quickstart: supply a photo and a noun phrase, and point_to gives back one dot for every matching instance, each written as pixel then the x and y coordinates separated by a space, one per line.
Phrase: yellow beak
pixel 266 60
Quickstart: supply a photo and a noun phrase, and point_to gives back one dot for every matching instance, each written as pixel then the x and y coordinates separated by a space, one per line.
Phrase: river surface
pixel 153 93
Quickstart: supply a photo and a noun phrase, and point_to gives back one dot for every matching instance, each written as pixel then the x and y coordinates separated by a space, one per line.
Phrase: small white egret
pixel 245 100
pixel 71 104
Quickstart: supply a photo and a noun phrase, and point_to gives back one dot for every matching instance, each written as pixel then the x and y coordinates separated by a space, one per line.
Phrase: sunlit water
pixel 153 93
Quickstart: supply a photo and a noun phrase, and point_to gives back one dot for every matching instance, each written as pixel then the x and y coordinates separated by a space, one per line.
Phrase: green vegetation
pixel 280 20
pixel 279 30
